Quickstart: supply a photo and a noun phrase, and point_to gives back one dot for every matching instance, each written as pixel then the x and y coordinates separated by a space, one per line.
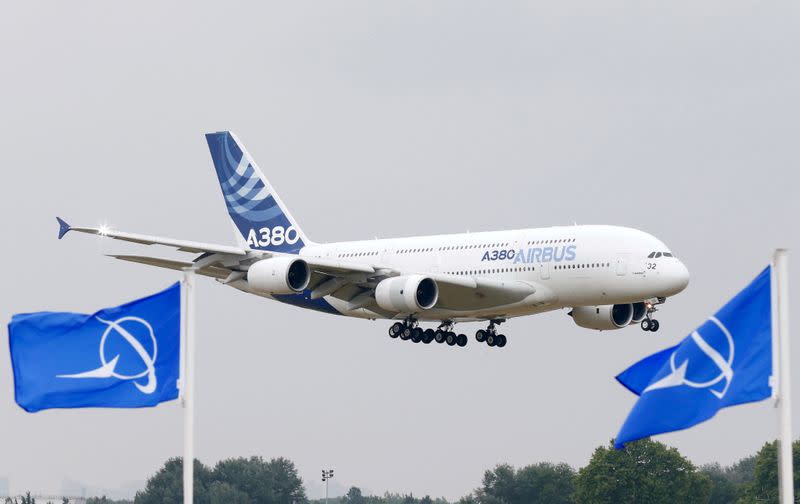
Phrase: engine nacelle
pixel 407 294
pixel 639 312
pixel 606 317
pixel 279 275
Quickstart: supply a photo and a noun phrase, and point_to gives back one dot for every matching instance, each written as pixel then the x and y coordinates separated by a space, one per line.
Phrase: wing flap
pixel 210 271
pixel 336 267
pixel 486 293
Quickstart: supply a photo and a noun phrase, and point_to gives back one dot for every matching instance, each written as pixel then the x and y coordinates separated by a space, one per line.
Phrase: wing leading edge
pixel 181 245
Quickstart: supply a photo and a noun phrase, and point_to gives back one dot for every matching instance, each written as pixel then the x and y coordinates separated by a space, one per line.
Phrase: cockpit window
pixel 667 254
pixel 652 255
pixel 658 254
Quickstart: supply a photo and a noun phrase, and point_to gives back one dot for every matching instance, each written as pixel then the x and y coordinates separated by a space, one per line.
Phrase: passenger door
pixel 544 270
pixel 622 265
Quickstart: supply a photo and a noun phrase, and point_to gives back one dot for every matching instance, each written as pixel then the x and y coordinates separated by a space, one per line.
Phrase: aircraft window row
pixel 583 266
pixel 547 242
pixel 490 271
pixel 411 251
pixel 359 254
pixel 659 254
pixel 466 247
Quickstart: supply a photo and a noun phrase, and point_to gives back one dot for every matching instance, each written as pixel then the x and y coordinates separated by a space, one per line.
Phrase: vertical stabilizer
pixel 257 212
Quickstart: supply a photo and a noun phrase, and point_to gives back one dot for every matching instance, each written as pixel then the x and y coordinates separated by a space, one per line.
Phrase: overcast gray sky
pixel 389 119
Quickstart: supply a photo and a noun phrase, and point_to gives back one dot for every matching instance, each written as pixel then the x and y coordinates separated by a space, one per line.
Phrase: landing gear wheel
pixel 461 340
pixel 394 330
pixel 451 338
pixel 416 335
pixel 501 340
pixel 427 336
pixel 405 334
pixel 654 325
pixel 440 336
pixel 491 339
pixel 646 324
pixel 480 336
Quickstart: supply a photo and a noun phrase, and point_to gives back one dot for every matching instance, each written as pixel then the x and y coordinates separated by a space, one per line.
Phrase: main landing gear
pixel 409 330
pixel 490 336
pixel 649 323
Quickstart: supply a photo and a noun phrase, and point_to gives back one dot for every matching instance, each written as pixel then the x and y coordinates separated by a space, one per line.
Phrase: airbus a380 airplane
pixel 611 277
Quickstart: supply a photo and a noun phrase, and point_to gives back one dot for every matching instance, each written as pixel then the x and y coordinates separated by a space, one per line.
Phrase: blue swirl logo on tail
pixel 252 204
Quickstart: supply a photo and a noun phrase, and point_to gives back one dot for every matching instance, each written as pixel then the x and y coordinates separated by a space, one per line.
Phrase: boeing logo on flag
pixel 122 357
pixel 724 362
pixel 107 368
pixel 678 375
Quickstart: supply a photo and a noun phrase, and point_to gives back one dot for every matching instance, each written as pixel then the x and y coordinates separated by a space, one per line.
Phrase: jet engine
pixel 279 275
pixel 407 294
pixel 639 312
pixel 604 317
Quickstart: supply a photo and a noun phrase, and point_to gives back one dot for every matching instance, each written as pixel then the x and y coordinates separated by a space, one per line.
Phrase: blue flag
pixel 123 357
pixel 724 362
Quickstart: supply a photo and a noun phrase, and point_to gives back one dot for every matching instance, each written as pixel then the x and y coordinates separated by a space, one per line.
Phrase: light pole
pixel 326 475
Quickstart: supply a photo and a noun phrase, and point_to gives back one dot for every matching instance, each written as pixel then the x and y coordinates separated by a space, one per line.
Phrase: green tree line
pixel 645 471
pixel 231 481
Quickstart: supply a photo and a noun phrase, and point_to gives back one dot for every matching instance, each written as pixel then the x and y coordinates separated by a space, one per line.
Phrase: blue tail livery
pixel 257 212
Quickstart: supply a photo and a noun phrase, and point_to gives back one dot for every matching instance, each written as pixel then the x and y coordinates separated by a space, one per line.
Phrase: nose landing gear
pixel 649 323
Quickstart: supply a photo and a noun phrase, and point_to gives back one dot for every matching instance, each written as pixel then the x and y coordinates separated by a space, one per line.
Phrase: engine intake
pixel 279 275
pixel 407 294
pixel 639 312
pixel 606 317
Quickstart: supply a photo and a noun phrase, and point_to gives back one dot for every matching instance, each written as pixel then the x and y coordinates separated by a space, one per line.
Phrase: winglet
pixel 63 227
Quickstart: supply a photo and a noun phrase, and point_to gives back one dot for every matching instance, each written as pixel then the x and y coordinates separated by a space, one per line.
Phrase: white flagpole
pixel 182 356
pixel 785 470
pixel 187 387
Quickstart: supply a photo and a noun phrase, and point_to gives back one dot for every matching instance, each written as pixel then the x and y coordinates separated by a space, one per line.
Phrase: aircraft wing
pixel 181 245
pixel 353 283
pixel 456 293
pixel 214 271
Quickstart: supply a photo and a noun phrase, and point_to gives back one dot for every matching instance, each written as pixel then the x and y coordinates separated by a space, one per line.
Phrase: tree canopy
pixel 763 487
pixel 645 471
pixel 543 483
pixel 231 481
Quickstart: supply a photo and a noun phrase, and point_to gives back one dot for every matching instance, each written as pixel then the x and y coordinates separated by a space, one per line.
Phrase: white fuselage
pixel 569 265
pixel 613 276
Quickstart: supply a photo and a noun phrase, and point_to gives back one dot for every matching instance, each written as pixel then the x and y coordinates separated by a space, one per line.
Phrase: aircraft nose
pixel 674 277
pixel 680 276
